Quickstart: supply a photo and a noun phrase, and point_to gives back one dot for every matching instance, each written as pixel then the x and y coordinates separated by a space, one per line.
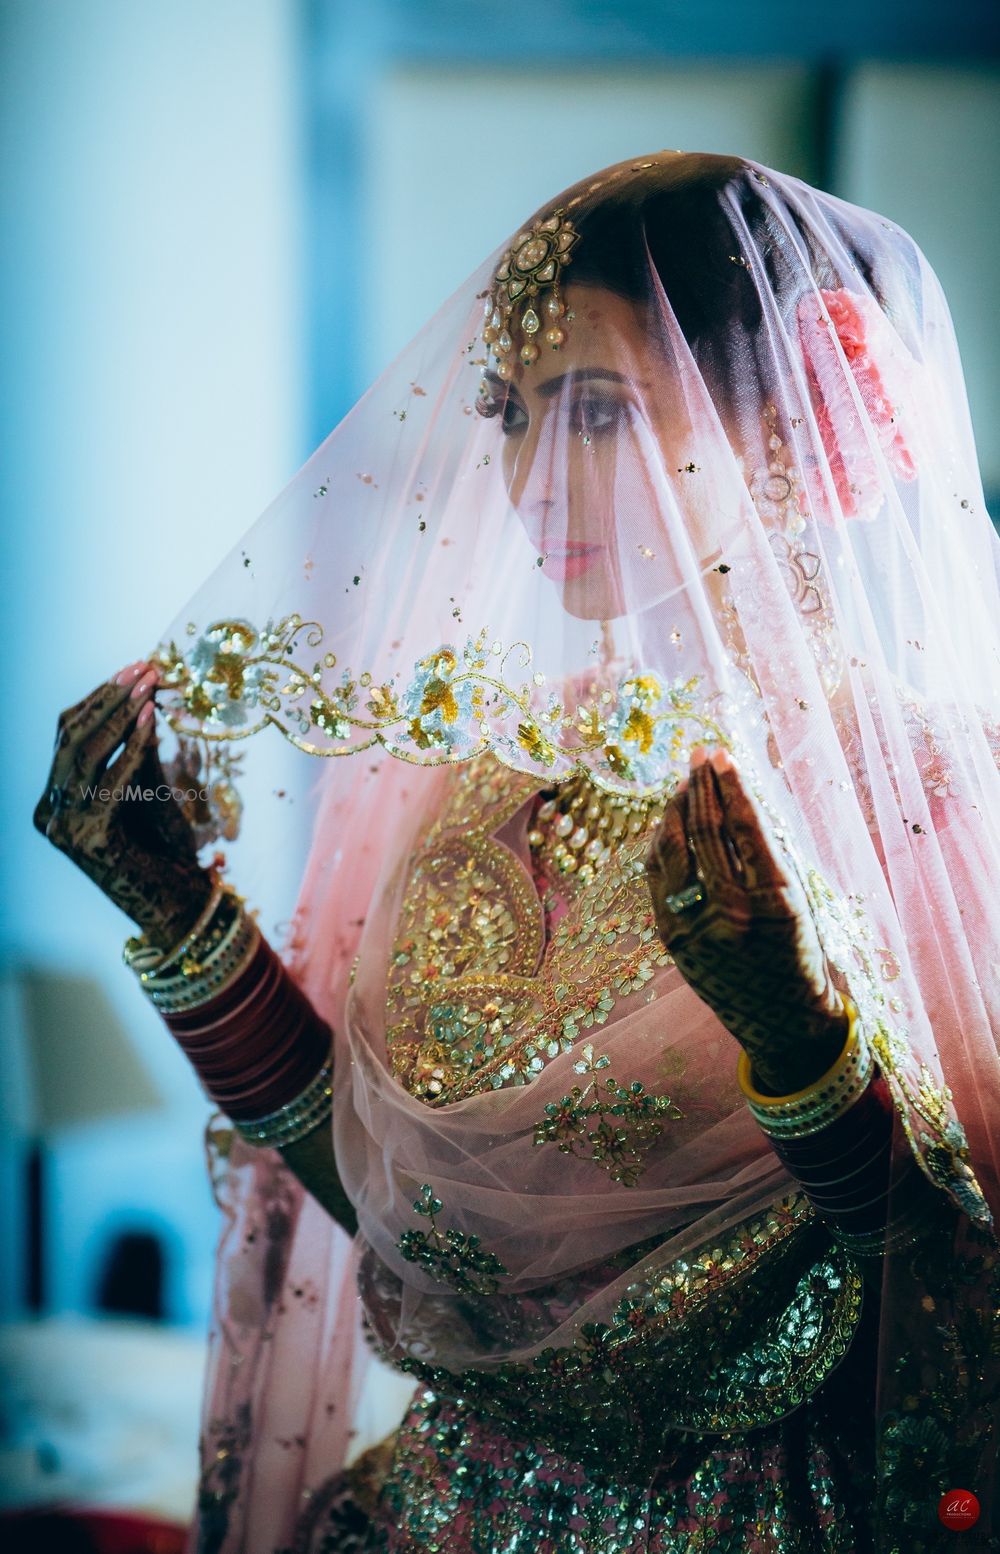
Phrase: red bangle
pixel 258 1043
pixel 254 1007
pixel 221 1004
pixel 845 1168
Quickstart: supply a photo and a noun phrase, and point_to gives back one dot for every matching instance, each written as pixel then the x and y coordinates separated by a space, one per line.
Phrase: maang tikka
pixel 528 276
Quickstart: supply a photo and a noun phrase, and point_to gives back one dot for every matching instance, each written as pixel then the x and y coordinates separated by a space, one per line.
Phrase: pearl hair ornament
pixel 525 300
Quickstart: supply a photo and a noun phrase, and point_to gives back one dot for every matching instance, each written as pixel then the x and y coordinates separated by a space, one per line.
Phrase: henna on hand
pixel 750 948
pixel 141 852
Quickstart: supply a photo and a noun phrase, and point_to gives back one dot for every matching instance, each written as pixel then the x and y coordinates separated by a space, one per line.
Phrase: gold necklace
pixel 578 826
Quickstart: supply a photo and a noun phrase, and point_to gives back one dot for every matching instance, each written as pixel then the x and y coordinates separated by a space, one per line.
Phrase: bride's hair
pixel 693 220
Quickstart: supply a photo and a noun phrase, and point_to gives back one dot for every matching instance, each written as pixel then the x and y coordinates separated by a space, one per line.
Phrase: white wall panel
pixel 921 144
pixel 457 158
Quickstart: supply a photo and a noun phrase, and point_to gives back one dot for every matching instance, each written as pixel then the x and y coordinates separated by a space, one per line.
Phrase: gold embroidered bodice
pixel 480 994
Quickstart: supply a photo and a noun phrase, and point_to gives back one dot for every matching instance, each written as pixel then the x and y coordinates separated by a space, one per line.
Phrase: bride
pixel 627 1076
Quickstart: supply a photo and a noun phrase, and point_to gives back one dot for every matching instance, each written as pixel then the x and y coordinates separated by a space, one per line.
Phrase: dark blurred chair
pixel 131 1280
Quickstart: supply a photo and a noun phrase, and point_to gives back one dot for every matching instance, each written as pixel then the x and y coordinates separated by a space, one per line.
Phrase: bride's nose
pixel 538 516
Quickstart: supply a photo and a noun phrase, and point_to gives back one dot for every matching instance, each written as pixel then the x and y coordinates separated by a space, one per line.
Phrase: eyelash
pixel 586 412
pixel 489 406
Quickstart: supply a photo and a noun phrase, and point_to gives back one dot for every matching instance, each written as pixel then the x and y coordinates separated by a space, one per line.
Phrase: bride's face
pixel 578 427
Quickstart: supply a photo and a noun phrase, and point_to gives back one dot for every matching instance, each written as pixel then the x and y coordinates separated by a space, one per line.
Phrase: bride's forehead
pixel 603 331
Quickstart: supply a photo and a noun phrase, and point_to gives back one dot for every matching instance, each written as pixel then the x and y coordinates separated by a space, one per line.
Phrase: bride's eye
pixel 490 403
pixel 597 413
pixel 515 417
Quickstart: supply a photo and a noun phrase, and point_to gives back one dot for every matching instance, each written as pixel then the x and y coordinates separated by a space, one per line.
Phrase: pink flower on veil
pixel 866 338
pixel 843 308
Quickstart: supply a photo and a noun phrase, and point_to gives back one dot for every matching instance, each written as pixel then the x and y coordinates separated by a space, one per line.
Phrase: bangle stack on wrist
pixel 835 1137
pixel 215 950
pixel 256 1042
pixel 807 1111
pixel 296 1119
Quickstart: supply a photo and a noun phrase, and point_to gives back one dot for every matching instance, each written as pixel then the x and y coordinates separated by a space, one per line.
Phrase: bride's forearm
pixel 259 1047
pixel 312 1160
pixel 837 1141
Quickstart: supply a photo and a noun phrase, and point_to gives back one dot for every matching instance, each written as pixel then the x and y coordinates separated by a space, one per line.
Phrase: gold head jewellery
pixel 525 301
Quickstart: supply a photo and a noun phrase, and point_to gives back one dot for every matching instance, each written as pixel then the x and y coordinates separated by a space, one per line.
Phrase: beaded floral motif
pixel 236 679
pixel 627 1121
pixel 924 738
pixel 794 1491
pixel 941 1430
pixel 924 1105
pixel 704 1341
pixel 450 1256
pixel 783 507
pixel 468 942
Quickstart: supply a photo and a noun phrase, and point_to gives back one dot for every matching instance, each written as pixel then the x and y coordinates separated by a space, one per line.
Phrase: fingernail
pixel 145 713
pixel 144 684
pixel 127 675
pixel 720 760
pixel 699 755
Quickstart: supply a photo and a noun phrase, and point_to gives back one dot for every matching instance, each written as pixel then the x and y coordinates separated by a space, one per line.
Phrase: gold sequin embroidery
pixel 458 702
pixel 477 998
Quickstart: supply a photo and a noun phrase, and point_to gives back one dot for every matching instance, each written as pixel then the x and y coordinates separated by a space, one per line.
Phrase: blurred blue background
pixel 220 219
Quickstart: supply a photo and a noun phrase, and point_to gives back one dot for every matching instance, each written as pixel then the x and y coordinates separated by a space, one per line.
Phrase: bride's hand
pixel 750 947
pixel 140 851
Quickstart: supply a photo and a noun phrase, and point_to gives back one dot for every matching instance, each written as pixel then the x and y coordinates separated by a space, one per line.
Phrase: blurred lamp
pixel 78 1064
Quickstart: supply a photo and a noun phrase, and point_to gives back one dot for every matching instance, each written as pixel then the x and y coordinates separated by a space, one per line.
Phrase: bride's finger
pixel 669 858
pixel 749 831
pixel 716 858
pixel 126 765
pixel 74 725
pixel 82 716
pixel 94 752
pixel 78 722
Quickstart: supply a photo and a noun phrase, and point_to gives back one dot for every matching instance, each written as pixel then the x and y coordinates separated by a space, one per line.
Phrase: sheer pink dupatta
pixel 292 1391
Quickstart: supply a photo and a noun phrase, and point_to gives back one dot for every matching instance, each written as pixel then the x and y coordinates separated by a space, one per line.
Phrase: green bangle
pixel 292 1122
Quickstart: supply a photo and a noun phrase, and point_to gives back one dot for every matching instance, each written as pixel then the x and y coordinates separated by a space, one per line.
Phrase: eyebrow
pixel 553 385
pixel 578 375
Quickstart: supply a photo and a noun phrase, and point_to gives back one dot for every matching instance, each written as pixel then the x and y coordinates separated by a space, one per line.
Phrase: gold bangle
pixel 205 916
pixel 758 1096
pixel 806 1111
pixel 143 957
pixel 225 963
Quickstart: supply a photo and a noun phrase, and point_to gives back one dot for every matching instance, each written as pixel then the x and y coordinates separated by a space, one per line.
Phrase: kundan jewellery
pixel 527 278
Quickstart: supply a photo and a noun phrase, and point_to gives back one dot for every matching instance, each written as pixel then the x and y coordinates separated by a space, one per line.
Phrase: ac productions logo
pixel 958 1509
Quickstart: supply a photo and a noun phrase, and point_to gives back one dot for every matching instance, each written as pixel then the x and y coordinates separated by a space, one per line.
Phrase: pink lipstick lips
pixel 563 563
